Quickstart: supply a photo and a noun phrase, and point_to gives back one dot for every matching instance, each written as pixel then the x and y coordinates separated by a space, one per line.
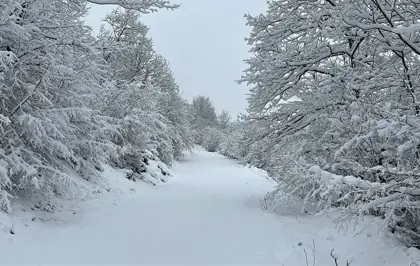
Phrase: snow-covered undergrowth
pixel 150 169
pixel 208 213
pixel 114 182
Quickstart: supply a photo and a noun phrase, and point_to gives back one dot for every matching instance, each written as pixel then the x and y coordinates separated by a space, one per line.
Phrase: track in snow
pixel 208 214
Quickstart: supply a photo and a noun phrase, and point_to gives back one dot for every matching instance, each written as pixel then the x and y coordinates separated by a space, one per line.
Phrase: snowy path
pixel 209 213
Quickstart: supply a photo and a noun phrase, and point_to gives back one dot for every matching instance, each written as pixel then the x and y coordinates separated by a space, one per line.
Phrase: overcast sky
pixel 204 42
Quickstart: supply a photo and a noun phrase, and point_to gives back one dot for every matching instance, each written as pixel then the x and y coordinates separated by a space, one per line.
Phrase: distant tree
pixel 224 119
pixel 203 112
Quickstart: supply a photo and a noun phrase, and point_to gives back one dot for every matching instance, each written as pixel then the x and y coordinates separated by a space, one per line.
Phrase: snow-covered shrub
pixel 145 166
pixel 229 145
pixel 212 139
pixel 232 145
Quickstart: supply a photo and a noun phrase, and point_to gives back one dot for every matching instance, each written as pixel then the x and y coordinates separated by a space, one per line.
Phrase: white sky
pixel 204 42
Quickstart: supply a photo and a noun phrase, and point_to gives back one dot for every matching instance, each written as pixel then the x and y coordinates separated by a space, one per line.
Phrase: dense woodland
pixel 333 111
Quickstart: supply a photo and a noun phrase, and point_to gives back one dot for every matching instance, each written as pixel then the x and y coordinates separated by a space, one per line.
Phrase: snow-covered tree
pixel 334 99
pixel 145 87
pixel 203 116
pixel 204 113
pixel 49 76
pixel 70 102
pixel 224 120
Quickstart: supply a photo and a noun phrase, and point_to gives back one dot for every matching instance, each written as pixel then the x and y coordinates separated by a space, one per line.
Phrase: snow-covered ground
pixel 208 213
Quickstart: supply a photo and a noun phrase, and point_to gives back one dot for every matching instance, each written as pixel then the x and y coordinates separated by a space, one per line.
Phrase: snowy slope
pixel 208 213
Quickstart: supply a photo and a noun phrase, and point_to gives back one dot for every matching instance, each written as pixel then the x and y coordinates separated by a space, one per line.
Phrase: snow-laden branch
pixel 330 179
pixel 398 31
pixel 410 29
pixel 144 6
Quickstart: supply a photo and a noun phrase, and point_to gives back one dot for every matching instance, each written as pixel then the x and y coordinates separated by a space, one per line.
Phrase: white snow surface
pixel 207 214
